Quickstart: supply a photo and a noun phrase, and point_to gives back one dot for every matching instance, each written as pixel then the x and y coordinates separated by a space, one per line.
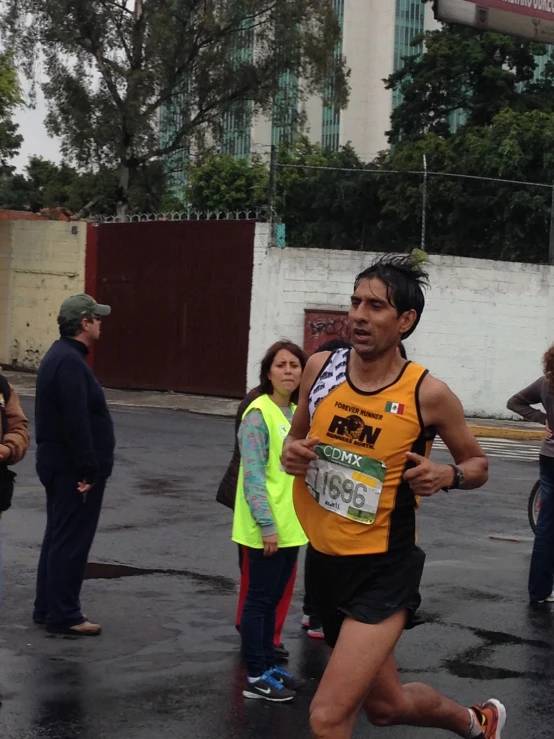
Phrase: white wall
pixel 484 329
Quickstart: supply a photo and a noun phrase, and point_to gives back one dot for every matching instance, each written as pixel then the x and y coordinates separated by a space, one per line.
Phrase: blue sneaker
pixel 285 678
pixel 267 688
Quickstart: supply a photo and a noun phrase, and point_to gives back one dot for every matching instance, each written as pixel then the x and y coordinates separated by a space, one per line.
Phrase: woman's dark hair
pixel 71 329
pixel 548 366
pixel 405 281
pixel 265 383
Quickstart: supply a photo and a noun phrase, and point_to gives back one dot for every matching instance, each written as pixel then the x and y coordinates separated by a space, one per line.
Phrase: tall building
pixel 376 36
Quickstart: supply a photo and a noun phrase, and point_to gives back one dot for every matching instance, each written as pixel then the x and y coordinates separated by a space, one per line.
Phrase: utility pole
pixel 551 244
pixel 272 181
pixel 424 205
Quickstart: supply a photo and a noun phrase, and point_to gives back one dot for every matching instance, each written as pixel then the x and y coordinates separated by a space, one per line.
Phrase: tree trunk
pixel 123 200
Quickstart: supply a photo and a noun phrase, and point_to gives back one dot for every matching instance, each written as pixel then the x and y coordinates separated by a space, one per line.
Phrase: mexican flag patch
pixel 396 408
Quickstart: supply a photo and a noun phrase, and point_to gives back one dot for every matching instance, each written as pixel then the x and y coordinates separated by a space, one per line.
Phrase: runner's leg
pixel 359 655
pixel 389 703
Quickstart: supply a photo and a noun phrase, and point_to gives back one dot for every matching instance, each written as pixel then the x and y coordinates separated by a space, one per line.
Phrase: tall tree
pixel 461 69
pixel 10 99
pixel 114 65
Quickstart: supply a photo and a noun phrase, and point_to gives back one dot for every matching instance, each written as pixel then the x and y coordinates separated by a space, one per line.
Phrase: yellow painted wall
pixel 47 265
pixel 5 285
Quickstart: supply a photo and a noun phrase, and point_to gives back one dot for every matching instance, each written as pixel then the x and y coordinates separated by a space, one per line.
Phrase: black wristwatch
pixel 458 479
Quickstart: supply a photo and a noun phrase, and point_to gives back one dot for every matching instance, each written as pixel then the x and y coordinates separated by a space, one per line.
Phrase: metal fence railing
pixel 263 214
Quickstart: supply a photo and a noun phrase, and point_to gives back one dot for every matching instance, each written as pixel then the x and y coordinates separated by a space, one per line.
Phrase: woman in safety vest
pixel 265 522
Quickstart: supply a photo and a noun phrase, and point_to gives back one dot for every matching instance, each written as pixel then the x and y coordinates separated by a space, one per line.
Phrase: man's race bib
pixel 346 483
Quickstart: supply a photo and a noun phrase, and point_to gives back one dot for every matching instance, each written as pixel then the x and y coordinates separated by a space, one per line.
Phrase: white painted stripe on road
pixel 503 449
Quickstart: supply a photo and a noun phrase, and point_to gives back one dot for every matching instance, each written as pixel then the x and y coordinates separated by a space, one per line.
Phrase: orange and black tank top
pixel 353 499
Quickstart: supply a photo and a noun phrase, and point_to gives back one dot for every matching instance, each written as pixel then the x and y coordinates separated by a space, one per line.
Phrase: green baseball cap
pixel 78 306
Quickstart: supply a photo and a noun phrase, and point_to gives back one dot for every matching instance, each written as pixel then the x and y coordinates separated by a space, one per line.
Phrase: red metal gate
pixel 180 293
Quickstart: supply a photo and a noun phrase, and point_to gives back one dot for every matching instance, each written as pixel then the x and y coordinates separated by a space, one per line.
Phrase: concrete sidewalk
pixel 24 383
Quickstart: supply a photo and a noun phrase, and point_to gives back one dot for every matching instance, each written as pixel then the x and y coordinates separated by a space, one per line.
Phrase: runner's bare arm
pixel 442 409
pixel 297 449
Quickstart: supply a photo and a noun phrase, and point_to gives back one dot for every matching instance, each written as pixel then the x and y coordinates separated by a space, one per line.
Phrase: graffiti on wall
pixel 321 326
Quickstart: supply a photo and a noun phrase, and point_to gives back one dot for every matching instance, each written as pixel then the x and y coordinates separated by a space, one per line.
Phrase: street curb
pixel 489 432
pixel 503 432
pixel 122 405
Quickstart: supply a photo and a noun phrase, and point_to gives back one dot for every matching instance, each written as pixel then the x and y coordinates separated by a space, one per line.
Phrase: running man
pixel 357 447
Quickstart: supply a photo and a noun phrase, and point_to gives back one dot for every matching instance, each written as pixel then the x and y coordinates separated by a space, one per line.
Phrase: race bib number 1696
pixel 346 483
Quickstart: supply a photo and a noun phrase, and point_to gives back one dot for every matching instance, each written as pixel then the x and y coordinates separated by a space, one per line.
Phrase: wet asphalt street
pixel 163 584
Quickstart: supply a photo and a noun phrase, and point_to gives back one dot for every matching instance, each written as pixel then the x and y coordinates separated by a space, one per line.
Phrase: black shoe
pixel 268 689
pixel 286 679
pixel 281 654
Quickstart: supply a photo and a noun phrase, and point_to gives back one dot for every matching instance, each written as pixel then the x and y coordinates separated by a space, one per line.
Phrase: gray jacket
pixel 536 394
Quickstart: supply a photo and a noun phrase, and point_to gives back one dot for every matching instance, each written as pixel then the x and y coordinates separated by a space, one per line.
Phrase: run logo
pixel 353 429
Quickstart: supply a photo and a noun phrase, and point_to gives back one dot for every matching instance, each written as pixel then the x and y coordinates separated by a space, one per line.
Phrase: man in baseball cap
pixel 75 456
pixel 79 306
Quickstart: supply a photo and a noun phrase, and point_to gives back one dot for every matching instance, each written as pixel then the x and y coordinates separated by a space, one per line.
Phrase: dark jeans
pixel 268 579
pixel 71 522
pixel 541 574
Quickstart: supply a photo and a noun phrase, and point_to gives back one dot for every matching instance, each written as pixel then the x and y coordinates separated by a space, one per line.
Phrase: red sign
pixel 535 8
pixel 321 326
pixel 531 19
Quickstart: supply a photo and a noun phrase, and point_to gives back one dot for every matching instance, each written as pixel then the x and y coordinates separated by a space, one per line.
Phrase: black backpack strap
pixel 5 390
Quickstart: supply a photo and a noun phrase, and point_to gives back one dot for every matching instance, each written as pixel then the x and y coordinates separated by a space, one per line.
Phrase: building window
pixel 330 129
pixel 237 121
pixel 542 61
pixel 410 23
pixel 170 121
pixel 285 110
pixel 237 127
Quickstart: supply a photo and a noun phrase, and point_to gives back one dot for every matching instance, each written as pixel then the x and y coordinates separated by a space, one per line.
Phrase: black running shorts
pixel 368 588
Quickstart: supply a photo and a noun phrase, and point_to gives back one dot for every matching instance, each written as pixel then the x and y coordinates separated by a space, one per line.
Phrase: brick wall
pixel 484 329
pixel 45 265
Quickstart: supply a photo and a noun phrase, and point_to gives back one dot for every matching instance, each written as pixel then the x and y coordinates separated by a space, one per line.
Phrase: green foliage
pixel 322 207
pixel 222 183
pixel 47 185
pixel 476 218
pixel 10 99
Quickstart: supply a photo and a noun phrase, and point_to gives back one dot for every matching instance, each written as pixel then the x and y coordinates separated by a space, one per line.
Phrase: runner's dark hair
pixel 332 346
pixel 405 281
pixel 265 383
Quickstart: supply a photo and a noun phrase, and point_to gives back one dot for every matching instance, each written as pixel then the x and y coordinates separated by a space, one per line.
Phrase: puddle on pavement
pixel 465 665
pixel 492 638
pixel 499 638
pixel 166 487
pixel 101 571
pixel 463 669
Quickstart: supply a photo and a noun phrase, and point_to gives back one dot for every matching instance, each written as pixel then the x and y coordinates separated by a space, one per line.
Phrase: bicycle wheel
pixel 534 505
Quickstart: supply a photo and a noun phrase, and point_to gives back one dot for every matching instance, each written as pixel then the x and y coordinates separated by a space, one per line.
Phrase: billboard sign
pixel 530 19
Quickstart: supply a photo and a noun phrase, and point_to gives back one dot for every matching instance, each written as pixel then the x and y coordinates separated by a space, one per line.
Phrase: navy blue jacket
pixel 74 428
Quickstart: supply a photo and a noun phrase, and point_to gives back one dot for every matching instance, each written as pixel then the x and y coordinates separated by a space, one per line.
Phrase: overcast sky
pixel 35 139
